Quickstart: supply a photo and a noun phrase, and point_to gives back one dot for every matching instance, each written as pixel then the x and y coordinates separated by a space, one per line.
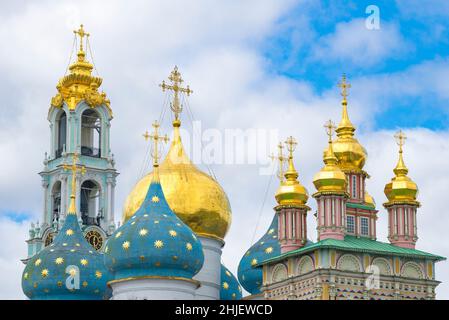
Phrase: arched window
pixel 279 273
pixel 56 201
pixel 90 133
pixel 61 137
pixel 90 203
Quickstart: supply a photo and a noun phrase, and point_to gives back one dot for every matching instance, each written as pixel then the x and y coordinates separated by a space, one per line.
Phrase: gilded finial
pixel 156 138
pixel 74 168
pixel 81 33
pixel 330 128
pixel 329 156
pixel 175 86
pixel 291 144
pixel 344 87
pixel 282 159
pixel 400 169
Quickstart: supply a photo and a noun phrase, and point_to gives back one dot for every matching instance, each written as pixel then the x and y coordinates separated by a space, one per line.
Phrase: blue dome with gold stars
pixel 68 269
pixel 230 288
pixel 154 242
pixel 267 247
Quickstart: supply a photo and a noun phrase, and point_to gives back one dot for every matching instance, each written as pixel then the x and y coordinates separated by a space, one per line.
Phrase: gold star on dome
pixel 143 232
pixel 126 245
pixel 254 262
pixel 157 264
pixel 132 223
pixel 247 253
pixel 155 199
pixel 142 258
pixel 59 260
pixel 59 283
pixel 69 232
pixel 156 221
pixel 84 262
pixel 44 273
pixel 175 258
pixel 225 285
pixel 98 274
pixel 233 295
pixel 64 244
pixel 269 250
pixel 228 273
pixel 84 284
pixel 72 272
pixel 145 215
pixel 271 231
pixel 37 262
pixel 158 244
pixel 72 250
pixel 106 250
pixel 118 234
pixel 25 276
pixel 77 244
pixel 189 246
pixel 172 233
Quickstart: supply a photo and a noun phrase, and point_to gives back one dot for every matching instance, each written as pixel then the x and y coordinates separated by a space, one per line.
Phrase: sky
pixel 255 64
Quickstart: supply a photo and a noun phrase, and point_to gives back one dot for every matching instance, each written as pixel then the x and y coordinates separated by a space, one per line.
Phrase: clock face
pixel 95 239
pixel 49 239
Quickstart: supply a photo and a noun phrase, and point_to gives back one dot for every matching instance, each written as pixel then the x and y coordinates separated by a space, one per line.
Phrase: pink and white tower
pixel 292 209
pixel 402 205
pixel 331 195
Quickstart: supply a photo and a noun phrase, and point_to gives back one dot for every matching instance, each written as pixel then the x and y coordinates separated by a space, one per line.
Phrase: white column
pixel 209 275
pixel 154 289
pixel 64 197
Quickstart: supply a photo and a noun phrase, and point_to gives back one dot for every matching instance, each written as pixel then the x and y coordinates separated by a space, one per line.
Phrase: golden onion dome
pixel 193 195
pixel 291 191
pixel 369 200
pixel 350 153
pixel 401 188
pixel 330 178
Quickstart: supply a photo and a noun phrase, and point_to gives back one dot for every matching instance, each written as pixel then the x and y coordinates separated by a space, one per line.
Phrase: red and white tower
pixel 292 209
pixel 331 195
pixel 402 205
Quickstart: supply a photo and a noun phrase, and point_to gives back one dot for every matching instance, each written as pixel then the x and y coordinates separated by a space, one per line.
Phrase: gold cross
pixel 291 146
pixel 156 138
pixel 74 168
pixel 344 87
pixel 81 34
pixel 400 139
pixel 330 127
pixel 282 159
pixel 176 80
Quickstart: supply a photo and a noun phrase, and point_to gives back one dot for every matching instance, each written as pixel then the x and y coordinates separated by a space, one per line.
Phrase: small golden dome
pixel 401 188
pixel 350 153
pixel 331 178
pixel 194 196
pixel 291 191
pixel 369 200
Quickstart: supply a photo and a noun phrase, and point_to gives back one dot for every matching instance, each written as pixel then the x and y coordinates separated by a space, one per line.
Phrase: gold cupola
pixel 330 178
pixel 350 153
pixel 401 188
pixel 291 191
pixel 80 84
pixel 197 198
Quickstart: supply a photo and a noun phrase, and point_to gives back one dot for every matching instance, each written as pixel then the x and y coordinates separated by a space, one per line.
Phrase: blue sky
pixel 423 32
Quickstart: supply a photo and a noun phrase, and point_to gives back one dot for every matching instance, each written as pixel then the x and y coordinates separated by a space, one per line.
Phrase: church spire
pixel 282 159
pixel 345 128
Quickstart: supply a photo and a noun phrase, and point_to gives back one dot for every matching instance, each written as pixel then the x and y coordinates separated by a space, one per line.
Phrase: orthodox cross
pixel 74 168
pixel 344 87
pixel 156 138
pixel 291 146
pixel 175 86
pixel 282 159
pixel 81 33
pixel 330 127
pixel 400 139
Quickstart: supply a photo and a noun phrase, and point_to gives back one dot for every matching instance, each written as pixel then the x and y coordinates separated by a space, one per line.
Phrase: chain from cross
pixel 344 87
pixel 74 168
pixel 156 138
pixel 400 139
pixel 291 145
pixel 175 86
pixel 81 33
pixel 330 128
pixel 282 160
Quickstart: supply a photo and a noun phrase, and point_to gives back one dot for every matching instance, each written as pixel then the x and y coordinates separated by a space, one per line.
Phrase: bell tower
pixel 80 120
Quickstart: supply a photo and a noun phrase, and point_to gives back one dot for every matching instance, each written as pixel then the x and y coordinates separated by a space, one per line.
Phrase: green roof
pixel 360 206
pixel 355 244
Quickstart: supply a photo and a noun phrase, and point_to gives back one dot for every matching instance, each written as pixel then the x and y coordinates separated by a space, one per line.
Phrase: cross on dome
pixel 344 85
pixel 156 138
pixel 282 159
pixel 81 33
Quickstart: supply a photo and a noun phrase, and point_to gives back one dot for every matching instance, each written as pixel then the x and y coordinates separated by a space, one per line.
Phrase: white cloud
pixel 353 42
